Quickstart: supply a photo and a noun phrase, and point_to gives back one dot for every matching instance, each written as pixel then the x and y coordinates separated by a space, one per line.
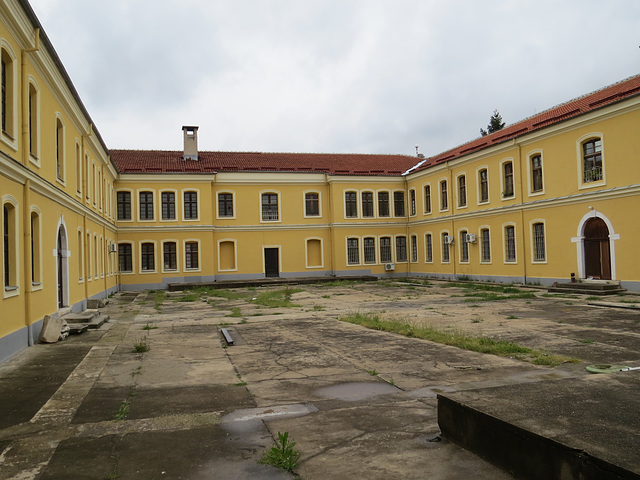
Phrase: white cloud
pixel 370 76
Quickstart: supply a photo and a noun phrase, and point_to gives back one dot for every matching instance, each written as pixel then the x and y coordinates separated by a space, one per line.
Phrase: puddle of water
pixel 250 419
pixel 354 391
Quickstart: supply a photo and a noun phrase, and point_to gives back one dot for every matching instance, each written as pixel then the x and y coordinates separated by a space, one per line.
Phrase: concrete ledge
pixel 566 429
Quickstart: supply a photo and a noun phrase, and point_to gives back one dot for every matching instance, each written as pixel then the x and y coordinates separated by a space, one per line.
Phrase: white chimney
pixel 190 143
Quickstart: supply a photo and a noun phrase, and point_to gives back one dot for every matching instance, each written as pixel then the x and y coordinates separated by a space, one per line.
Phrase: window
pixel 536 173
pixel 464 247
pixel 462 191
pixel 147 257
pixel 367 204
pixel 78 169
pixel 444 199
pixel 6 93
pixel 509 243
pixel 124 205
pixel 369 250
pixel 168 200
pixel 353 251
pixel 125 257
pixel 59 149
pixel 484 185
pixel 351 204
pixel 412 200
pixel 414 248
pixel 485 245
pixel 312 204
pixel 33 121
pixel 80 257
pixel 385 249
pixel 170 255
pixel 225 205
pixel 383 204
pixel 190 205
pixel 427 199
pixel 428 241
pixel 269 207
pixel 191 255
pixel 538 243
pixel 445 247
pixel 9 245
pixel 507 170
pixel 401 249
pixel 146 206
pixel 592 160
pixel 36 270
pixel 398 204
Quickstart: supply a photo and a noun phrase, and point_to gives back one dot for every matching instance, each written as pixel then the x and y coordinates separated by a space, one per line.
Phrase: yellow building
pixel 550 196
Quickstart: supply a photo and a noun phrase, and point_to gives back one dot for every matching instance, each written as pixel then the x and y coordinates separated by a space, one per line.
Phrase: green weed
pixel 141 346
pixel 277 298
pixel 191 297
pixel 457 339
pixel 123 411
pixel 149 326
pixel 372 372
pixel 283 454
pixel 235 312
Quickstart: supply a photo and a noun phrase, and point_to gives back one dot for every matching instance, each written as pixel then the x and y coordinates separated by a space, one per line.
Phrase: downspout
pixel 25 97
pixel 331 232
pixel 26 221
pixel 522 229
pixel 452 251
pixel 214 248
pixel 28 281
pixel 87 247
pixel 407 234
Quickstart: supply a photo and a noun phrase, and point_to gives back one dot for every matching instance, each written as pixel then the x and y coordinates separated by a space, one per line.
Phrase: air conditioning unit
pixel 449 239
pixel 471 238
pixel 389 266
pixel 113 248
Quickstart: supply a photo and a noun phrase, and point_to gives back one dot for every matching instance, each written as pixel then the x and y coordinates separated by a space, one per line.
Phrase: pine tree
pixel 495 124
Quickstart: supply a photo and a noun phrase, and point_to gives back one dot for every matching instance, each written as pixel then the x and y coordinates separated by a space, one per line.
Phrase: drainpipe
pixel 522 226
pixel 452 251
pixel 331 232
pixel 28 285
pixel 214 249
pixel 85 192
pixel 25 97
pixel 407 231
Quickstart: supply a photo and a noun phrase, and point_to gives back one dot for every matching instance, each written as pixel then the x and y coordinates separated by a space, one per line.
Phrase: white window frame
pixel 162 243
pixel 176 205
pixel 503 182
pixel 504 243
pixel 304 203
pixel 234 204
pixel 530 156
pixel 155 257
pixel 479 185
pixel 265 192
pixel 306 250
pixel 466 192
pixel 198 202
pixel 235 249
pixel 533 241
pixel 184 251
pixel 581 184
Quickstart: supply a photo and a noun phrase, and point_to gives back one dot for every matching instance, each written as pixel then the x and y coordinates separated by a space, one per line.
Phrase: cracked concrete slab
pixel 363 402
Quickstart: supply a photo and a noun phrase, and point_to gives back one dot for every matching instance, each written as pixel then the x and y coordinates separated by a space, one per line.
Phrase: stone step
pixel 89 319
pixel 588 288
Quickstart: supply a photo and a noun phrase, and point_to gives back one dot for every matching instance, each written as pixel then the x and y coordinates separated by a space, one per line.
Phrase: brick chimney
pixel 190 143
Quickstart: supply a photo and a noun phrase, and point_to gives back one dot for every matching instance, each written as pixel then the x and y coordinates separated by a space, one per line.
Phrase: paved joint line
pixel 64 403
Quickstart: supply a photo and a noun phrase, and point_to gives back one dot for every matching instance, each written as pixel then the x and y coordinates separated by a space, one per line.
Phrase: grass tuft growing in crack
pixel 282 454
pixel 480 344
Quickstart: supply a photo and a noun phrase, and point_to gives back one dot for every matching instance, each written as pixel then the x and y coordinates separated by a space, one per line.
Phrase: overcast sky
pixel 333 76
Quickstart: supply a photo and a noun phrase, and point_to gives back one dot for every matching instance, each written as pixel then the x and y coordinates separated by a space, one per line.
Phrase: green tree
pixel 495 124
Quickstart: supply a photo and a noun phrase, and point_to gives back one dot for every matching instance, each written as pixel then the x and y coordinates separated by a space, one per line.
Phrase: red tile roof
pixel 156 161
pixel 627 88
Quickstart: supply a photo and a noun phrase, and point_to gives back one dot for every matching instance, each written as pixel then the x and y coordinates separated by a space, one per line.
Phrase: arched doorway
pixel 597 252
pixel 62 266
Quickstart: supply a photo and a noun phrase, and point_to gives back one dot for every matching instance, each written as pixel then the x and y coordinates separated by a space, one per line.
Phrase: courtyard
pixel 156 392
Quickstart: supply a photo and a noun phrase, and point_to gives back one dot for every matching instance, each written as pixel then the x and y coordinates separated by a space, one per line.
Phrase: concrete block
pixel 51 329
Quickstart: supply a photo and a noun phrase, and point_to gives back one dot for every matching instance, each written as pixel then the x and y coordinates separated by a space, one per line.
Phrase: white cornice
pixel 608 194
pixel 137 178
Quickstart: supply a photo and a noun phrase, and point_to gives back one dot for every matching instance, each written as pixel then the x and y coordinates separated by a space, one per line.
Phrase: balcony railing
pixel 269 213
pixel 592 174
